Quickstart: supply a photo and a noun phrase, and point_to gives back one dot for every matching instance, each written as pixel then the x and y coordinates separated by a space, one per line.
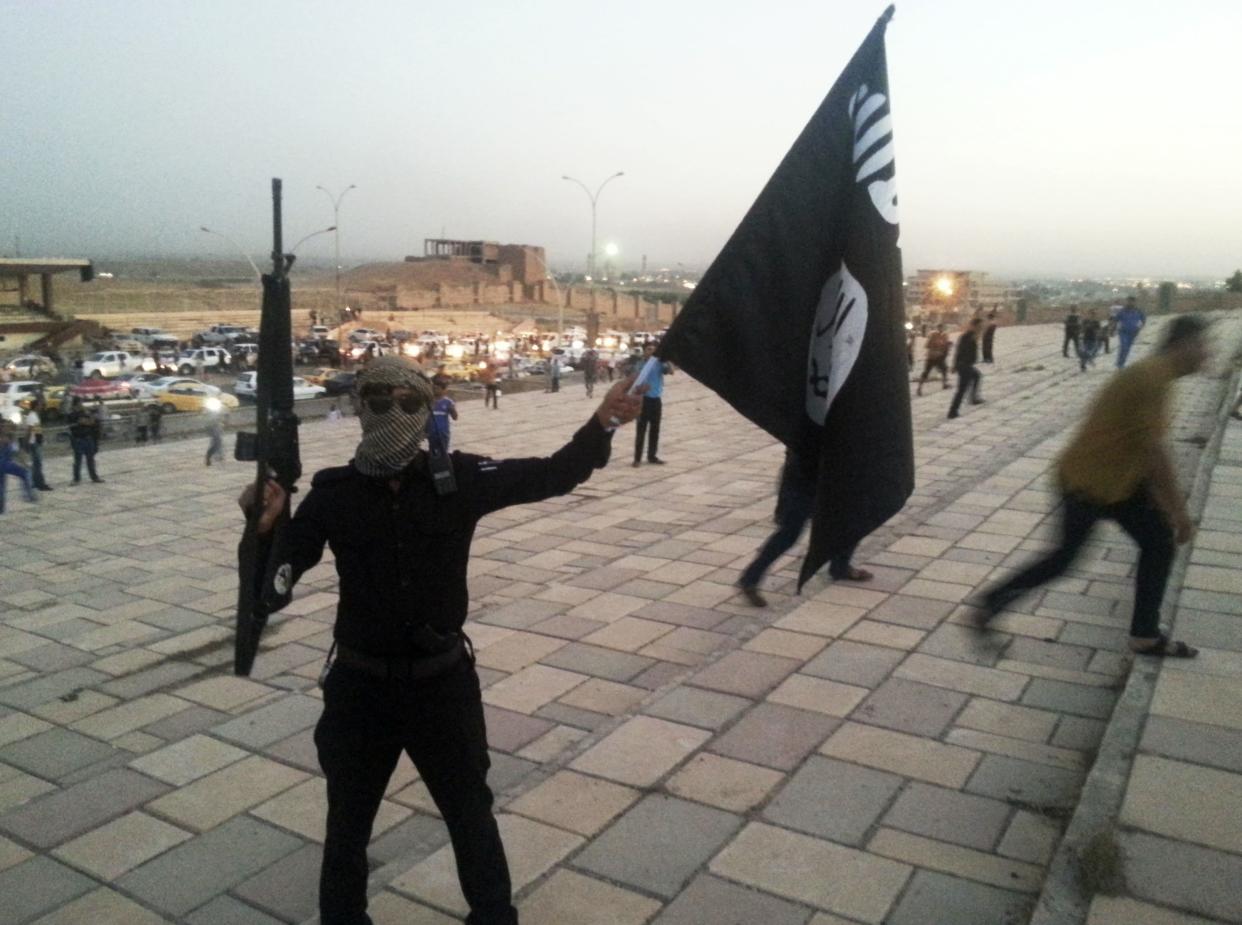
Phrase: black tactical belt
pixel 404 669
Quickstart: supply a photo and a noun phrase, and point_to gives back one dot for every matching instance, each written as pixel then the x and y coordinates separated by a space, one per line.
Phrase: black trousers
pixel 935 363
pixel 967 379
pixel 367 722
pixel 1146 525
pixel 1070 338
pixel 648 419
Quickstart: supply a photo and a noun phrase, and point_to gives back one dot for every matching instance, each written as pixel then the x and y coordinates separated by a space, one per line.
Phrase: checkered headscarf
pixel 391 440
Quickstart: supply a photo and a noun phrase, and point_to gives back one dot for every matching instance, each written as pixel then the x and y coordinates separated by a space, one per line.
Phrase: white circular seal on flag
pixel 283 579
pixel 836 338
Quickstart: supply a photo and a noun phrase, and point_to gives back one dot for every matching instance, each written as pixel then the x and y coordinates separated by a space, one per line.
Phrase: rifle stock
pixel 264 572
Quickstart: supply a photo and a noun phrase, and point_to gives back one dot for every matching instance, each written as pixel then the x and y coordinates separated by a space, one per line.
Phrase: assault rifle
pixel 264 573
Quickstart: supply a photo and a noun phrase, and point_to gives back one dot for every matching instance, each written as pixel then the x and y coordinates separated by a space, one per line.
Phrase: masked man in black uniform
pixel 404 678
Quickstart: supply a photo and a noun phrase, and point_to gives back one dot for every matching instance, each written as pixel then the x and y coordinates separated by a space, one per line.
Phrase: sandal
pixel 1164 647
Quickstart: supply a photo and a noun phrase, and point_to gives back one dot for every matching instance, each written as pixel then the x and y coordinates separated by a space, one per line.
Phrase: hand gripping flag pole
pixel 799 321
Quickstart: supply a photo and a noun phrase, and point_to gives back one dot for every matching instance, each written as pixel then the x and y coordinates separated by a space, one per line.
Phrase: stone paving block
pixel 628 634
pixel 567 896
pixel 575 802
pixel 915 612
pixel 11 853
pixel 606 697
pixel 910 707
pixel 800 646
pixel 509 731
pixel 818 695
pixel 933 897
pixel 532 849
pixel 552 744
pixel 572 716
pixel 948 815
pixel 1007 719
pixel 970 679
pixel 747 674
pixel 530 688
pixel 55 657
pixel 775 736
pixel 708 709
pixel 37 886
pixel 289 889
pixel 1199 743
pixel 1018 748
pixel 1030 837
pixel 411 840
pixel 185 723
pixel 822 874
pixel 597 661
pixel 1207 628
pixel 1064 697
pixel 224 692
pixel 1031 784
pixel 18 726
pixel 958 861
pixel 50 687
pixel 1080 733
pixel 1171 873
pixel 833 799
pixel 641 751
pixel 710 899
pixel 517 651
pixel 854 663
pixel 821 618
pixel 18 787
pixel 62 815
pixel 101 907
pixel 964 644
pixel 271 723
pixel 1199 698
pixel 736 786
pixel 128 687
pixel 194 872
pixel 1122 910
pixel 210 800
pixel 304 809
pixel 129 715
pixel 910 756
pixel 884 634
pixel 120 845
pixel 658 844
pixel 1185 802
pixel 56 753
pixel 681 614
pixel 225 910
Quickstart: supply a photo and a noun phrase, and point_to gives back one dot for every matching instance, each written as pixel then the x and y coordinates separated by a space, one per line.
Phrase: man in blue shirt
pixel 650 416
pixel 443 412
pixel 1130 321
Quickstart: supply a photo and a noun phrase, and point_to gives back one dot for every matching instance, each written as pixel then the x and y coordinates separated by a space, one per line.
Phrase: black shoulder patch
pixel 332 476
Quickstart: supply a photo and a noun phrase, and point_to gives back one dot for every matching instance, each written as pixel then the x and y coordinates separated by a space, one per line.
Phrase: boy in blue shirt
pixel 443 411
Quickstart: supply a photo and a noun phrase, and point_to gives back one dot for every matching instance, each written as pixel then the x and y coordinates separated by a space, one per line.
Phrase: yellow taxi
pixel 193 396
pixel 320 375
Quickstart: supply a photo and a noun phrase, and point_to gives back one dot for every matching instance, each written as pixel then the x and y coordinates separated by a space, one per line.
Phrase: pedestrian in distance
pixel 443 413
pixel 491 387
pixel 32 442
pixel 989 336
pixel 936 357
pixel 1090 344
pixel 403 678
pixel 215 431
pixel 84 434
pixel 964 359
pixel 1071 332
pixel 1130 320
pixel 155 417
pixel 648 427
pixel 590 370
pixel 795 503
pixel 1117 467
pixel 9 465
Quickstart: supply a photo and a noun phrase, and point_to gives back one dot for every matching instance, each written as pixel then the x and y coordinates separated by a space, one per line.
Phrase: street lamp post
pixel 336 224
pixel 593 197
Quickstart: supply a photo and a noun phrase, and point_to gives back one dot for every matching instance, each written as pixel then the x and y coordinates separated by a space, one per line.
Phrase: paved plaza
pixel 662 753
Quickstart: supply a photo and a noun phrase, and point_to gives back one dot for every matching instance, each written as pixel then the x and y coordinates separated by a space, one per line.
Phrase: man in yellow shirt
pixel 1117 467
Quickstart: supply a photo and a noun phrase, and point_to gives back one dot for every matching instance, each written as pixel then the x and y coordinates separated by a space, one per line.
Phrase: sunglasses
pixel 380 399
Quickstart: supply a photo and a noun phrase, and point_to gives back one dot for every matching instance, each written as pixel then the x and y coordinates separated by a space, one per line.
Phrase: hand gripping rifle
pixel 264 573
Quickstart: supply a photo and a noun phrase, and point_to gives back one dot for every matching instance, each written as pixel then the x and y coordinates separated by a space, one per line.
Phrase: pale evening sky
pixel 1079 137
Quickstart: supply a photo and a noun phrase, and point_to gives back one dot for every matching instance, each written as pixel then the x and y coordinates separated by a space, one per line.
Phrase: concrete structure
pixel 22 268
pixel 958 293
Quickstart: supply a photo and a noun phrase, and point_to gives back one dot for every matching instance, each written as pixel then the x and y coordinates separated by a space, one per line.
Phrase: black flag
pixel 799 322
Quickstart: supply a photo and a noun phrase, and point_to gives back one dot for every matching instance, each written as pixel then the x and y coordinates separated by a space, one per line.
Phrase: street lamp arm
pixel 619 173
pixel 586 189
pixel 293 250
pixel 240 249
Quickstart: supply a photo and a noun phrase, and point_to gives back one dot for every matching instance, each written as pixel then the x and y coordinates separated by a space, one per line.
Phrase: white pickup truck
pixel 210 357
pixel 111 363
pixel 222 333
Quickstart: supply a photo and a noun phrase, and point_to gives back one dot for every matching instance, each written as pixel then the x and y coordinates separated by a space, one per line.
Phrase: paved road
pixel 662 753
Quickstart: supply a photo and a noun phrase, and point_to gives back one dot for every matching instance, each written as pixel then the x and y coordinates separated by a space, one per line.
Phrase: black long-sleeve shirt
pixel 402 556
pixel 967 353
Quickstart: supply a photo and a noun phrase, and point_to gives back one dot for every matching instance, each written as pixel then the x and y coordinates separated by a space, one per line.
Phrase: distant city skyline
pixel 1059 139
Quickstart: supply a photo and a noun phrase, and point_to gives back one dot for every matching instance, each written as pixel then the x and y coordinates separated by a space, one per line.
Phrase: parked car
pixel 152 337
pixel 105 389
pixel 53 397
pixel 139 383
pixel 357 335
pixel 219 334
pixel 109 363
pixel 187 396
pixel 246 385
pixel 30 366
pixel 320 331
pixel 12 394
pixel 319 375
pixel 339 383
pixel 167 382
pixel 210 357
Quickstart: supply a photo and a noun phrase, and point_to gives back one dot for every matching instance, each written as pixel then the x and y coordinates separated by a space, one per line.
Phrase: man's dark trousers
pixel 1071 337
pixel 1146 525
pixel 367 722
pixel 966 379
pixel 83 448
pixel 649 418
